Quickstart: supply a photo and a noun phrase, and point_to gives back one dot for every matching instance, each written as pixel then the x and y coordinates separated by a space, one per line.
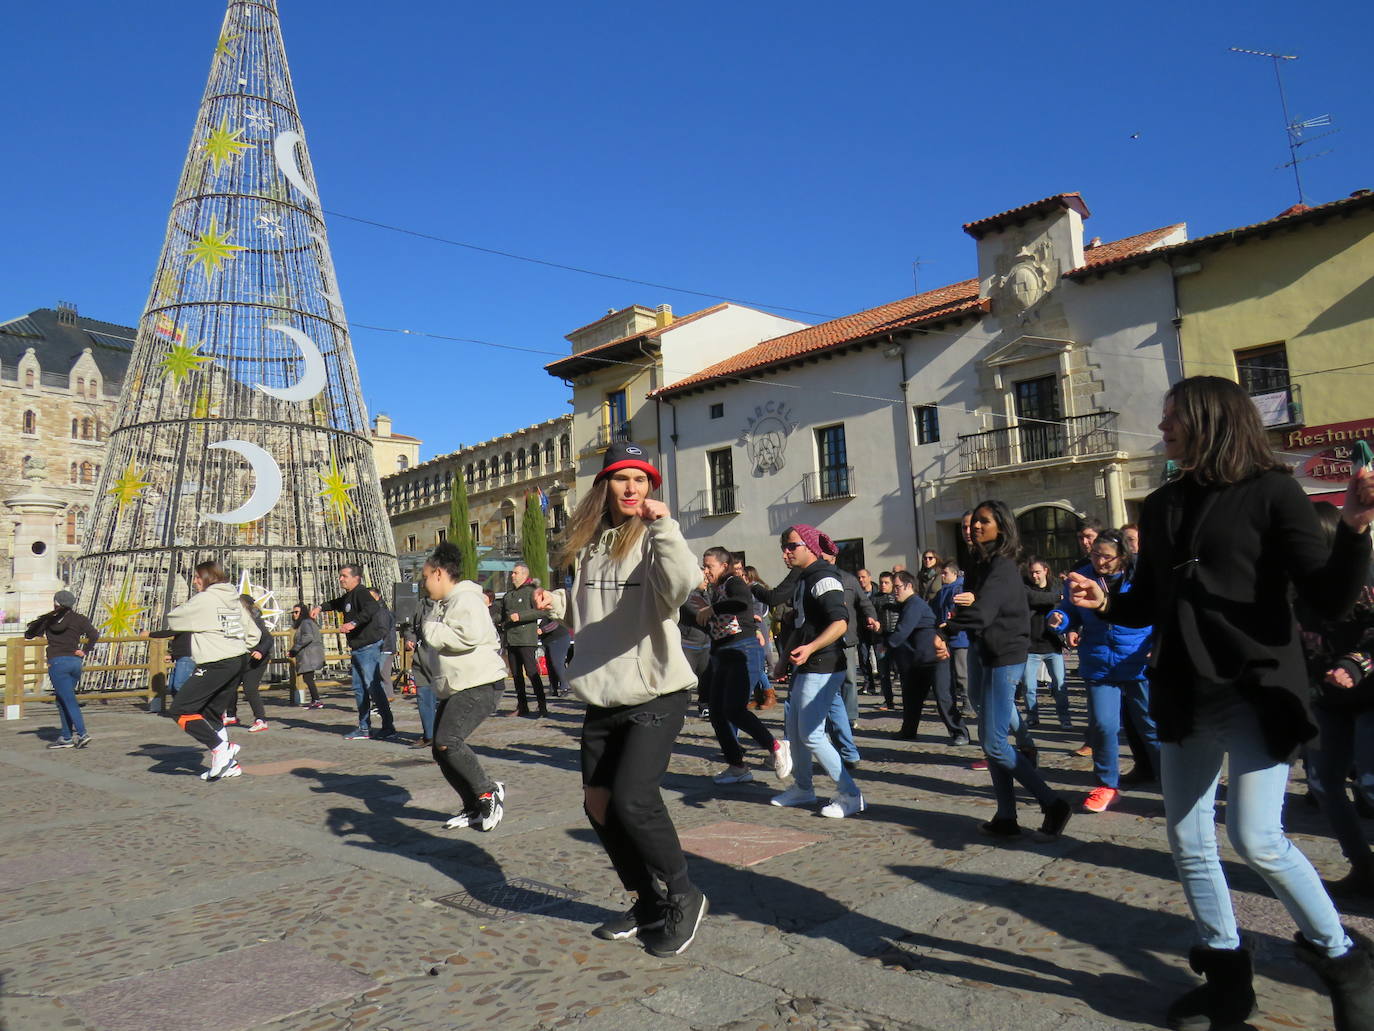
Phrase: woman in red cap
pixel 634 571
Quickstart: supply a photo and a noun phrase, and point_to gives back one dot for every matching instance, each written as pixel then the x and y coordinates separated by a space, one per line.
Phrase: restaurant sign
pixel 1322 454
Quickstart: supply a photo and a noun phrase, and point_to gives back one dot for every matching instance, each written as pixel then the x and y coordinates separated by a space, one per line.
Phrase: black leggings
pixel 455 717
pixel 198 706
pixel 626 749
pixel 522 661
pixel 308 675
pixel 727 693
pixel 252 677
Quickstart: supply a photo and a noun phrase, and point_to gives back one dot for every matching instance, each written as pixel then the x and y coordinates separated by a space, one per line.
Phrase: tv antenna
pixel 916 274
pixel 1293 128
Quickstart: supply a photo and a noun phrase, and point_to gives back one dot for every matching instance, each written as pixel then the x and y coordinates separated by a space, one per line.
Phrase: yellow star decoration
pixel 223 144
pixel 122 614
pixel 129 486
pixel 337 499
pixel 222 46
pixel 201 408
pixel 213 247
pixel 182 360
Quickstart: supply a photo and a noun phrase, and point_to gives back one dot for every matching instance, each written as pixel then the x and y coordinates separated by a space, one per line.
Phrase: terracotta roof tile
pixel 1131 246
pixel 600 350
pixel 1045 205
pixel 958 298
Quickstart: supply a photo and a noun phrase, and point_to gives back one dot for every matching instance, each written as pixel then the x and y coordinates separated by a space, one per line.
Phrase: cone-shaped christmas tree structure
pixel 241 432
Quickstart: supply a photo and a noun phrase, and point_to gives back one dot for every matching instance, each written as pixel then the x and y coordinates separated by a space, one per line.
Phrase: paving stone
pixel 228 993
pixel 45 865
pixel 280 766
pixel 709 998
pixel 744 844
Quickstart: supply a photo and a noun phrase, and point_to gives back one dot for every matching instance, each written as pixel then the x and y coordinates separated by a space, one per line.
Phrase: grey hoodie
pixel 220 625
pixel 460 630
pixel 625 614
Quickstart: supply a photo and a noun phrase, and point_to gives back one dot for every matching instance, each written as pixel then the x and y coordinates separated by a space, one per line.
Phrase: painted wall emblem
pixel 765 437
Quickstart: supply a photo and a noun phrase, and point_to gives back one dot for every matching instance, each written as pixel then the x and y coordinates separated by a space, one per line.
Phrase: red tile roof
pixel 933 305
pixel 1106 253
pixel 1298 215
pixel 1060 201
pixel 579 361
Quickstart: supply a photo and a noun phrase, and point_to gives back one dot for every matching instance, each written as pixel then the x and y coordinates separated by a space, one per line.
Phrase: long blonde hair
pixel 590 520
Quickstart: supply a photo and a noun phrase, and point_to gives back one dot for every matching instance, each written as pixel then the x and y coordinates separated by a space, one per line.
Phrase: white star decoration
pixel 271 224
pixel 258 120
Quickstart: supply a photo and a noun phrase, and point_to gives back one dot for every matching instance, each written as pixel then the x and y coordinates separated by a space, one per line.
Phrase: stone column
pixel 37 519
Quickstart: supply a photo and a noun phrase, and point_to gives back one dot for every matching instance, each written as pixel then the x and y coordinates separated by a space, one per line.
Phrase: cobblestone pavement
pixel 320 891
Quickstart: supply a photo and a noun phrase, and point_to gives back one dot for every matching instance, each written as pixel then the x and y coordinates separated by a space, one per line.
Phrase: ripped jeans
pixel 625 749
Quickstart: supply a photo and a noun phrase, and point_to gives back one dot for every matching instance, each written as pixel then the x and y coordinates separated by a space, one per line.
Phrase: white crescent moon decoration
pixel 313 377
pixel 266 484
pixel 284 149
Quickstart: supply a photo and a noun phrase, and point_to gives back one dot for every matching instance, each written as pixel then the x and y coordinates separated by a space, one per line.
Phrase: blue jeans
pixel 426 702
pixel 182 669
pixel 998 689
pixel 1053 665
pixel 976 696
pixel 64 671
pixel 1256 783
pixel 840 726
pixel 1105 702
pixel 367 687
pixel 811 698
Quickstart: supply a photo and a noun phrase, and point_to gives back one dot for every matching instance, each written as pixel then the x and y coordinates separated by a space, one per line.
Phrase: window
pixel 30 422
pixel 71 526
pixel 476 536
pixel 85 429
pixel 927 424
pixel 534 459
pixel 1263 372
pixel 851 554
pixel 1051 533
pixel 469 473
pixel 722 470
pixel 482 471
pixel 87 472
pixel 28 378
pixel 93 389
pixel 81 385
pixel 76 429
pixel 548 453
pixel 81 523
pixel 402 463
pixel 564 449
pixel 411 542
pixel 509 529
pixel 833 460
pixel 506 464
pixel 616 411
pixel 440 537
pixel 520 461
pixel 560 518
pixel 74 477
pixel 1037 411
pixel 718 410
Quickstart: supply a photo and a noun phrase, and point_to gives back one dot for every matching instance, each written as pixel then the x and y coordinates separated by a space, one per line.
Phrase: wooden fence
pixel 144 661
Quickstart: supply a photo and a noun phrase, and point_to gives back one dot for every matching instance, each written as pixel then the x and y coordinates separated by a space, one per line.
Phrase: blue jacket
pixel 1107 652
pixel 913 640
pixel 944 609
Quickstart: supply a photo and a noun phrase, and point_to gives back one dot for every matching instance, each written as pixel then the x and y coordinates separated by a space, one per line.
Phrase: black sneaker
pixel 645 915
pixel 490 809
pixel 1056 817
pixel 1001 827
pixel 681 917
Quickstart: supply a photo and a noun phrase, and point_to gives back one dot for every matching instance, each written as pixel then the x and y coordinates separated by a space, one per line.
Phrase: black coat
pixel 999 618
pixel 1213 578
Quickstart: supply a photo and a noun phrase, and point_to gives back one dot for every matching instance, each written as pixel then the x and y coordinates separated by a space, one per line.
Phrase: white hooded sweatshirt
pixel 220 626
pixel 460 630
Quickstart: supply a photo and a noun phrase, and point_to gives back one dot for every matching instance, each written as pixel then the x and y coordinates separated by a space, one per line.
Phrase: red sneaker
pixel 1100 799
pixel 978 764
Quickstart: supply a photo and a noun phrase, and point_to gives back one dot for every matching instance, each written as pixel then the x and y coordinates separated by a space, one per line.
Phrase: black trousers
pixel 727 693
pixel 522 661
pixel 918 681
pixel 252 677
pixel 198 706
pixel 455 718
pixel 699 659
pixel 626 749
pixel 556 650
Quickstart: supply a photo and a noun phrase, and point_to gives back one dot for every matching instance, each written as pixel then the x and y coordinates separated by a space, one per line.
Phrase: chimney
pixel 66 313
pixel 1096 241
pixel 381 426
pixel 664 316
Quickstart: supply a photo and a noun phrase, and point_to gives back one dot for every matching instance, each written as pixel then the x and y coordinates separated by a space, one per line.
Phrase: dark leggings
pixel 522 661
pixel 198 706
pixel 456 717
pixel 252 677
pixel 918 682
pixel 727 693
pixel 308 675
pixel 625 749
pixel 556 649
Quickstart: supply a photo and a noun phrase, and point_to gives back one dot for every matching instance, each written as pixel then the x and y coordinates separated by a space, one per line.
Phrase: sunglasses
pixel 793 546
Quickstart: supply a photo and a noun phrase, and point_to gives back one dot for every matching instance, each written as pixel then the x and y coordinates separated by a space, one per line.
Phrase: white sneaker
pixel 234 770
pixel 843 805
pixel 733 775
pixel 793 796
pixel 782 760
pixel 463 819
pixel 258 725
pixel 220 760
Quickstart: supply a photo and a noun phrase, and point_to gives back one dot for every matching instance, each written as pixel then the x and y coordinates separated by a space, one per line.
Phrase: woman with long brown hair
pixel 634 571
pixel 1219 547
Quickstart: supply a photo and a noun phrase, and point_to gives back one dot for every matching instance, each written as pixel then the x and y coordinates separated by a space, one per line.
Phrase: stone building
pixel 394 452
pixel 60 376
pixel 498 473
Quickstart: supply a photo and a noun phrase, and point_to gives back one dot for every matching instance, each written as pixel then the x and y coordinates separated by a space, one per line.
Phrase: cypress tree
pixel 459 530
pixel 534 540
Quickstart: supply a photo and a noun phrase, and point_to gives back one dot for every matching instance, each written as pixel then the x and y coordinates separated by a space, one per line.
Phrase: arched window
pixel 71 526
pixel 470 473
pixel 98 467
pixel 548 452
pixel 564 449
pixel 76 429
pixel 85 429
pixel 81 522
pixel 93 388
pixel 30 422
pixel 482 471
pixel 87 472
pixel 506 464
pixel 402 463
pixel 520 461
pixel 74 473
pixel 28 378
pixel 99 430
pixel 534 459
pixel 81 385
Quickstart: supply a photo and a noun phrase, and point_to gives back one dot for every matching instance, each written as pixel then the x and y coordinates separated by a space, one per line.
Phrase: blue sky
pixel 800 154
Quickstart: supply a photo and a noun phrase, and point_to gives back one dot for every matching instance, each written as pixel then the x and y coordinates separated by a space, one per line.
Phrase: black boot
pixel 1349 979
pixel 1227 998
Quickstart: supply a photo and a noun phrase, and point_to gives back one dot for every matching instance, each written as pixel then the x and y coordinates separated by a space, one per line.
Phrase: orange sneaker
pixel 1100 799
pixel 1086 750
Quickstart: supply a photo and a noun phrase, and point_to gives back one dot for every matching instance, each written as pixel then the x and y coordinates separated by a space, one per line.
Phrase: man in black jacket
pixel 364 631
pixel 518 620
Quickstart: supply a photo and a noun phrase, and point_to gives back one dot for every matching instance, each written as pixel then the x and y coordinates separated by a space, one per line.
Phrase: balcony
pixel 507 543
pixel 1078 436
pixel 724 500
pixel 831 484
pixel 605 437
pixel 1280 408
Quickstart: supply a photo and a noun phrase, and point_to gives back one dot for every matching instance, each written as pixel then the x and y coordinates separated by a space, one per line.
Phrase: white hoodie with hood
pixel 624 612
pixel 460 630
pixel 220 626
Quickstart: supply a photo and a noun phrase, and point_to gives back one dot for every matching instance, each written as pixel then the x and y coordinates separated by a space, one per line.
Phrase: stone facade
pixel 60 376
pixel 498 474
pixel 394 452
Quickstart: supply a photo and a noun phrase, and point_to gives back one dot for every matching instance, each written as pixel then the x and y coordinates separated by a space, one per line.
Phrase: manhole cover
pixel 508 899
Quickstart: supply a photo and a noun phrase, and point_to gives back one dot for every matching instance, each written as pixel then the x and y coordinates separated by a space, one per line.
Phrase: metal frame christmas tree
pixel 241 433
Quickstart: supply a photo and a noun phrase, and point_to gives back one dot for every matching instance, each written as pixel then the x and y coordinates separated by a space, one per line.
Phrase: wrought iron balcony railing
pixel 1075 437
pixel 831 483
pixel 724 499
pixel 605 437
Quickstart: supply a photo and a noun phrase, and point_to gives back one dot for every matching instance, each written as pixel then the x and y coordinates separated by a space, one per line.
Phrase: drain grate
pixel 508 899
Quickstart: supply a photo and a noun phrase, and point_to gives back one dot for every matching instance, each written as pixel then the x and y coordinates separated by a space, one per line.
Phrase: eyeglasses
pixel 793 545
pixel 930 558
